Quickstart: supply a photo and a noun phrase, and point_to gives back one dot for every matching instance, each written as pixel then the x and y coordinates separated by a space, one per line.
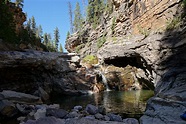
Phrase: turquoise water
pixel 126 103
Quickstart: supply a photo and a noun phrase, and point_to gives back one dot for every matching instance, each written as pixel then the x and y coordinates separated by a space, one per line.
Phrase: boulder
pixel 58 113
pixel 40 113
pixel 7 108
pixel 130 121
pixel 20 97
pixel 74 114
pixel 91 109
pixel 114 117
pixel 79 108
pixel 43 94
pixel 99 116
pixel 24 109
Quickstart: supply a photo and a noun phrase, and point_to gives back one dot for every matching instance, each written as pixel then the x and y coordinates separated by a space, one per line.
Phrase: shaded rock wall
pixel 29 70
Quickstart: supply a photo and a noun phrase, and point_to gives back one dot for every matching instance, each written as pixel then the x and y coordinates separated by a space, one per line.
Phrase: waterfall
pixel 104 80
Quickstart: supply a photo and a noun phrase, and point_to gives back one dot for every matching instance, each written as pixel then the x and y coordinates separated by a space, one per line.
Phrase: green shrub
pixel 79 47
pixel 101 41
pixel 174 23
pixel 90 59
pixel 184 3
pixel 143 31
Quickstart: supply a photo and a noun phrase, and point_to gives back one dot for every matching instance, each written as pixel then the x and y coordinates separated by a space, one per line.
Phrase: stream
pixel 125 103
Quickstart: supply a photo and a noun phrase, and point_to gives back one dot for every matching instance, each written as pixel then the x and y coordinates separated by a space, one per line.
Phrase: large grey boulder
pixel 91 109
pixel 114 117
pixel 40 113
pixel 58 113
pixel 20 97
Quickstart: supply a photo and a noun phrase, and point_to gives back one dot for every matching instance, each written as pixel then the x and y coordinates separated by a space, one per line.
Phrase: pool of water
pixel 126 103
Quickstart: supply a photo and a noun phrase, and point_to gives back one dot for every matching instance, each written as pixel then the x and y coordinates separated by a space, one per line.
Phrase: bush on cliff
pixel 90 59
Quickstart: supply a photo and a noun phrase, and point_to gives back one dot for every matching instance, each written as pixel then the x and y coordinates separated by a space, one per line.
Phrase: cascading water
pixel 104 80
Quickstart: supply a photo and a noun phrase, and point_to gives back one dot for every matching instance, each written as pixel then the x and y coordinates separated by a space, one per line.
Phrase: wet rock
pixel 58 113
pixel 24 109
pixel 30 116
pixel 106 118
pixel 91 117
pixel 43 94
pixel 101 110
pixel 40 113
pixel 91 109
pixel 7 108
pixel 99 116
pixel 46 120
pixel 79 108
pixel 130 121
pixel 21 119
pixel 114 117
pixel 42 106
pixel 89 121
pixel 20 97
pixel 55 106
pixel 74 114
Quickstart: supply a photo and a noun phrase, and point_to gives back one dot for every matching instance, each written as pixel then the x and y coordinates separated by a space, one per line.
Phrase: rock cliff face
pixel 28 71
pixel 18 15
pixel 148 35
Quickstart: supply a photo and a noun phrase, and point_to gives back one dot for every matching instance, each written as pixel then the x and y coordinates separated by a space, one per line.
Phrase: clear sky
pixel 50 14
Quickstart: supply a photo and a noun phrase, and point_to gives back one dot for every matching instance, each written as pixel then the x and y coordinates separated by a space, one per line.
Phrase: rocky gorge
pixel 147 35
pixel 141 45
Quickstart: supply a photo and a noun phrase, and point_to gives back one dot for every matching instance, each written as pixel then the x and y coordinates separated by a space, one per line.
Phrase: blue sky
pixel 50 14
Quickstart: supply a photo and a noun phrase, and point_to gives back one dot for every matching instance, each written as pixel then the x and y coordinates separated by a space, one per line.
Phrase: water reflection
pixel 128 102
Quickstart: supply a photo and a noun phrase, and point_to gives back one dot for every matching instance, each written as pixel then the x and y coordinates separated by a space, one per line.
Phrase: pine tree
pixel 68 35
pixel 60 48
pixel 56 38
pixel 45 39
pixel 50 42
pixel 95 10
pixel 28 25
pixel 77 18
pixel 19 3
pixel 71 19
pixel 7 25
pixel 84 8
pixel 49 38
pixel 39 32
pixel 33 25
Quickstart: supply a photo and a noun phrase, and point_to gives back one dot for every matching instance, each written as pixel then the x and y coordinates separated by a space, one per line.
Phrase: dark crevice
pixel 138 62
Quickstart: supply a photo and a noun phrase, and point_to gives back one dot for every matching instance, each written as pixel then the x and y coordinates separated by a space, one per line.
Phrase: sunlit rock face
pixel 18 16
